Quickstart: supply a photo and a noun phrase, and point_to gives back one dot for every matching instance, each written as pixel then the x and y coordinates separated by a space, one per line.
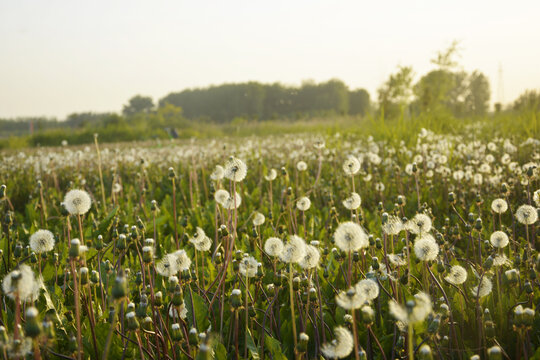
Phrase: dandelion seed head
pixel 351 166
pixel 368 288
pixel 182 260
pixel 526 214
pixel 350 236
pixel 294 250
pixel 301 166
pixel 419 224
pixel 258 219
pixel 235 169
pixel 426 248
pixel 353 202
pixel 393 225
pixel 42 241
pixel 218 173
pixel 22 282
pixel 499 206
pixel 271 176
pixel 457 275
pixel 499 239
pixel 77 202
pixel 273 246
pixel 303 204
pixel 248 266
pixel 167 266
pixel 341 346
pixel 483 288
pixel 311 259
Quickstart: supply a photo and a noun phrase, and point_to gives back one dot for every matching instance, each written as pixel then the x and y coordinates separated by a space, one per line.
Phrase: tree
pixel 359 102
pixel 138 104
pixel 478 94
pixel 528 101
pixel 395 94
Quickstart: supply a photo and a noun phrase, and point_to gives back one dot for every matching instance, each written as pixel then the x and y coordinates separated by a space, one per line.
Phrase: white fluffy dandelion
pixel 22 283
pixel 353 202
pixel 182 260
pixel 303 204
pixel 311 259
pixel 301 166
pixel 419 224
pixel 294 250
pixel 499 206
pixel 368 288
pixel 271 176
pixel 526 214
pixel 200 240
pixel 499 239
pixel 167 266
pixel 457 275
pixel 426 248
pixel 393 225
pixel 350 299
pixel 351 165
pixel 218 173
pixel 42 241
pixel 341 346
pixel 235 169
pixel 483 288
pixel 258 219
pixel 350 236
pixel 421 308
pixel 273 246
pixel 77 202
pixel 248 266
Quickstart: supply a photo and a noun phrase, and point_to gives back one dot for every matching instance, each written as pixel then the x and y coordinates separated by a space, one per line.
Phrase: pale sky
pixel 63 56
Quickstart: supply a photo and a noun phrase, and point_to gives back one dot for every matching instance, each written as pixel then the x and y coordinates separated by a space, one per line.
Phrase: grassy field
pixel 341 238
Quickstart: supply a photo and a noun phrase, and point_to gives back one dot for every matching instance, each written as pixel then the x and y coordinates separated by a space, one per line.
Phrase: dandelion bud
pixel 424 353
pixel 384 218
pixel 121 243
pixel 119 290
pixel 528 316
pixel 98 244
pixel 84 275
pixel 94 277
pixel 494 353
pixel 176 333
pixel 470 217
pixel 132 322
pixel 378 243
pixel 451 198
pixel 32 327
pixel 414 168
pixel 130 307
pixel 223 230
pixel 17 252
pixel 171 174
pixel 302 343
pixel 48 328
pixel 368 315
pixel 401 200
pixel 296 283
pixel 478 224
pixel 236 299
pixel 511 277
pixel 475 357
pixel 489 329
pixel 375 263
pixel 147 254
pixel 528 288
pixel 434 325
pixel 488 263
pixel 147 323
pixel 362 355
pixel 193 337
pixel 3 191
pixel 143 306
pixel 158 299
pixel 75 248
pixel 347 318
pixel 177 298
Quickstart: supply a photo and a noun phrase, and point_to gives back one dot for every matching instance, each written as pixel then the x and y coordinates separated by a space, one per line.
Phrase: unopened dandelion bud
pixel 143 306
pixel 158 299
pixel 177 298
pixel 494 353
pixel 193 337
pixel 130 307
pixel 475 357
pixel 414 168
pixel 489 329
pixel 3 191
pixel 368 315
pixel 528 316
pixel 445 311
pixel 303 340
pixel 17 252
pixel 425 353
pixel 488 264
pixel 4 338
pixel 147 254
pixel 75 248
pixel 375 263
pixel 528 288
pixel 440 267
pixel 362 354
pixel 132 322
pixel 119 289
pixel 176 332
pixel 511 277
pixel 171 173
pixel 478 224
pixel 121 243
pixel 434 325
pixel 32 327
pixel 296 283
pixel 236 299
pixel 347 318
pixel 84 275
pixel 48 328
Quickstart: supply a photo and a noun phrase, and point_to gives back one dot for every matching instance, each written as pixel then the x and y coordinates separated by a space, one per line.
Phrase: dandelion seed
pixel 218 173
pixel 368 288
pixel 350 236
pixel 294 250
pixel 483 288
pixel 22 283
pixel 341 346
pixel 303 204
pixel 499 239
pixel 526 214
pixel 301 166
pixel 42 241
pixel 397 259
pixel 77 202
pixel 426 248
pixel 351 166
pixel 311 259
pixel 350 299
pixel 273 246
pixel 457 275
pixel 353 202
pixel 419 224
pixel 235 169
pixel 248 266
pixel 393 225
pixel 258 219
pixel 200 240
pixel 499 206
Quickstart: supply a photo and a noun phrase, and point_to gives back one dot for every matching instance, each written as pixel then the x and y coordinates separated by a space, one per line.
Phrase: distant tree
pixel 528 101
pixel 359 102
pixel 395 94
pixel 138 104
pixel 478 94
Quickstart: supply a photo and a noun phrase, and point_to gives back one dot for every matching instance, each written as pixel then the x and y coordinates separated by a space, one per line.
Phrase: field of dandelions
pixel 289 247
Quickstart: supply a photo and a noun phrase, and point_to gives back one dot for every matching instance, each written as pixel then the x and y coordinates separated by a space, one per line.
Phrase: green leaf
pixel 220 352
pixel 200 308
pixel 274 346
pixel 251 346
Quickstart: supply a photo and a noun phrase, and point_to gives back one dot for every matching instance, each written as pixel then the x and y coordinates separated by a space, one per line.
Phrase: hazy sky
pixel 64 56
